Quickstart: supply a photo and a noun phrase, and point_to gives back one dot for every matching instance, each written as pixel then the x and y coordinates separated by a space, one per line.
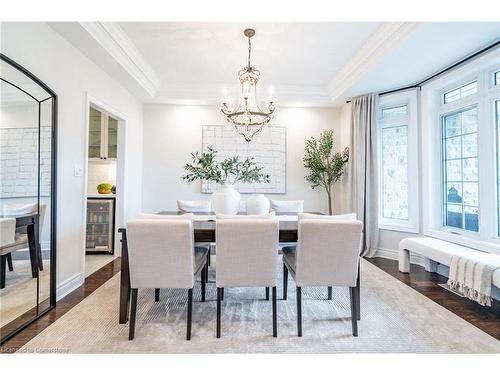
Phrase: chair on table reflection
pixel 20 240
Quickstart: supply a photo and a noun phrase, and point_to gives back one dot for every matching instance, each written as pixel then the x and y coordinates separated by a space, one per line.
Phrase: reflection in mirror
pixel 27 278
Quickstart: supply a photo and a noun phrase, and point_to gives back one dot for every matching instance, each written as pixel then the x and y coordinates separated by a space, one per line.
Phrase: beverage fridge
pixel 100 235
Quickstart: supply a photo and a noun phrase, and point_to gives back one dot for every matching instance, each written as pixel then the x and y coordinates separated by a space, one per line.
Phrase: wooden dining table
pixel 30 222
pixel 204 232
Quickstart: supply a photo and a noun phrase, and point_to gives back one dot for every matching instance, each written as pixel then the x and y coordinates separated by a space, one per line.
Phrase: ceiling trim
pixel 388 37
pixel 115 42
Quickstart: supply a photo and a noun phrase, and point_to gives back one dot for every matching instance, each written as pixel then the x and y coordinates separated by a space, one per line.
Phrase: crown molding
pixel 210 94
pixel 388 37
pixel 117 44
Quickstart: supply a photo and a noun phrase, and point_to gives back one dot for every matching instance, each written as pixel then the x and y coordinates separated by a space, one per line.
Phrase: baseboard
pixel 394 254
pixel 67 286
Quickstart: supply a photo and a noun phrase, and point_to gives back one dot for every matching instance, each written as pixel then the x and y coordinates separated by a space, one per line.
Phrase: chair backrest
pixel 269 215
pixel 161 253
pixel 19 208
pixel 247 251
pixel 195 206
pixel 7 231
pixel 349 216
pixel 328 252
pixel 287 206
pixel 187 216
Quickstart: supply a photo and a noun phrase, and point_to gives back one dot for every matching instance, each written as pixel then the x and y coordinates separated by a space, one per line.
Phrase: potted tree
pixel 226 173
pixel 325 166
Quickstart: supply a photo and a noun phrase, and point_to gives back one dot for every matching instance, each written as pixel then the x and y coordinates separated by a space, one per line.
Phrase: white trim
pixel 384 41
pixel 394 255
pixel 69 285
pixel 117 44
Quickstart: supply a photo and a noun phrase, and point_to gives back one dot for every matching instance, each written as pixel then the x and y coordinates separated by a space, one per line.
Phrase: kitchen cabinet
pixel 103 136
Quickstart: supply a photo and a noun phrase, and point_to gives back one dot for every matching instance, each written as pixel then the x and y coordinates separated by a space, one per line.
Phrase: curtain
pixel 363 172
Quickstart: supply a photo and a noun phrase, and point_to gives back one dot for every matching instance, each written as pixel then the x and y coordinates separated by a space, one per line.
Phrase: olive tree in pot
pixel 226 173
pixel 325 166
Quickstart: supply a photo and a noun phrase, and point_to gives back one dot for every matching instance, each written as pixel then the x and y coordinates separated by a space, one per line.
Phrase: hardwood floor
pixel 92 282
pixel 484 318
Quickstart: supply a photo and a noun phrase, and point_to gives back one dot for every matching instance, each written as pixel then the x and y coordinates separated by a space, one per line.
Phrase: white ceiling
pixel 318 64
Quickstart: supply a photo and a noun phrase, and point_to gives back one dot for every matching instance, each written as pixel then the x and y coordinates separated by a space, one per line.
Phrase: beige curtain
pixel 363 173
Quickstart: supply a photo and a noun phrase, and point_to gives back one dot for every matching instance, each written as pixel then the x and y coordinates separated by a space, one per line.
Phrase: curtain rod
pixel 445 70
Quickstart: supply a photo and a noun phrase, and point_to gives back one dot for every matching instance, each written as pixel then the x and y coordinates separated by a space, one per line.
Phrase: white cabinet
pixel 103 140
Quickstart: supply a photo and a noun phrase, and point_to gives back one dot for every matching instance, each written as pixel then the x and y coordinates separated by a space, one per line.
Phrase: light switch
pixel 78 171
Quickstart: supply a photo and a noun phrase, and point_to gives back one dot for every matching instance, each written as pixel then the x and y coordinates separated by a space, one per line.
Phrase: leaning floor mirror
pixel 28 112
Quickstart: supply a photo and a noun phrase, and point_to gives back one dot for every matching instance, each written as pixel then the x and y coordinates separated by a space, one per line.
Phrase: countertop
pixel 102 196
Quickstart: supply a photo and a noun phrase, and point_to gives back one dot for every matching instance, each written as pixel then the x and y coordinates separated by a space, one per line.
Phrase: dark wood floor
pixel 484 318
pixel 92 282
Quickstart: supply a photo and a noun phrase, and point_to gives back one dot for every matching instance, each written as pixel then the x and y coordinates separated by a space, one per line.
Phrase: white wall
pixel 171 132
pixel 72 76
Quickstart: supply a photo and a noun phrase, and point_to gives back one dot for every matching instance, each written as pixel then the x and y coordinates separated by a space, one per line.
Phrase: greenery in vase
pixel 325 166
pixel 231 170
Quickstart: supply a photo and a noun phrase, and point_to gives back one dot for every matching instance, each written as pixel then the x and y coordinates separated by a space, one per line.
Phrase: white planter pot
pixel 226 200
pixel 257 204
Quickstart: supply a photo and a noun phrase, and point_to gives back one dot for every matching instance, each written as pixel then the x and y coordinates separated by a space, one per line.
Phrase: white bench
pixel 435 252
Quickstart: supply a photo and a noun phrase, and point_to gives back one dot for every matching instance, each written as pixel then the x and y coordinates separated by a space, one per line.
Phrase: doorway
pixel 103 185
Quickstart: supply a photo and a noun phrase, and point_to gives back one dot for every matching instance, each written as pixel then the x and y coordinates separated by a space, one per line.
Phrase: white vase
pixel 226 200
pixel 257 204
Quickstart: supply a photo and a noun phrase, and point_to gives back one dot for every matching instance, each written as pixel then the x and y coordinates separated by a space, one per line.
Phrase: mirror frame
pixel 53 197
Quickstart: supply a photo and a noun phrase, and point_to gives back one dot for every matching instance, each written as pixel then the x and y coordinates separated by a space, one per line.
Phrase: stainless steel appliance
pixel 100 235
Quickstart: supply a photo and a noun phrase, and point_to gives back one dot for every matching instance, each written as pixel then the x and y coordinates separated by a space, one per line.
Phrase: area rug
pixel 394 318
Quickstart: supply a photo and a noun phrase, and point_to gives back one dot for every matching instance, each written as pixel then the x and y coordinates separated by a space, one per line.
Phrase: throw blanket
pixel 472 276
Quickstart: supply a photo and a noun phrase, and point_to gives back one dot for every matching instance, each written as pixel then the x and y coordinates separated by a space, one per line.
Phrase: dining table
pixel 30 223
pixel 204 227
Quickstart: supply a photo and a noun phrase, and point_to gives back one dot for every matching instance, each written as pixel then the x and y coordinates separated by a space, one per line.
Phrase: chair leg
pixel 267 293
pixel 222 294
pixel 219 298
pixel 329 292
pixel 358 296
pixel 3 270
pixel 40 259
pixel 285 282
pixel 203 281
pixel 275 318
pixel 299 311
pixel 157 294
pixel 208 257
pixel 352 296
pixel 9 262
pixel 189 313
pixel 133 310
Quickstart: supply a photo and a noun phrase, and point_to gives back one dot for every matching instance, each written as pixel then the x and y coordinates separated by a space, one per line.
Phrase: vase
pixel 257 204
pixel 226 200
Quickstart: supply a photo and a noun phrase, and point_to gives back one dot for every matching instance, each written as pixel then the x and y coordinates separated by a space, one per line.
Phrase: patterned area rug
pixel 394 318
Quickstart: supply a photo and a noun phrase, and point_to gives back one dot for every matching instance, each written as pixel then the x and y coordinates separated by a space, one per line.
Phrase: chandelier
pixel 247 117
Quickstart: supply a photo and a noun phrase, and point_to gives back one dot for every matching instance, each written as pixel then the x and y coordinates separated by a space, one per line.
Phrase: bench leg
pixel 404 261
pixel 431 265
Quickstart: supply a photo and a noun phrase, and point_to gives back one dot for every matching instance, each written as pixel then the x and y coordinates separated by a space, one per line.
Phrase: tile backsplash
pixel 98 173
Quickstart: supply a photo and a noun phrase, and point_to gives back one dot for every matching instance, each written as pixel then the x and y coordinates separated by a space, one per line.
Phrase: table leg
pixel 37 241
pixel 31 231
pixel 358 294
pixel 124 281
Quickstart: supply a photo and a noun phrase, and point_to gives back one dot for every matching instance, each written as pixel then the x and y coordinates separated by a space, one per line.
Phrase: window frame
pixel 432 112
pixel 408 98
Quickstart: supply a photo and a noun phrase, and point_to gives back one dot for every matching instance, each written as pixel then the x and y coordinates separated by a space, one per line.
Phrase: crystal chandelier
pixel 247 117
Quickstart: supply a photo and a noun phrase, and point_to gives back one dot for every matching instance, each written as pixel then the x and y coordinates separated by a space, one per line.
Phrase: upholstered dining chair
pixel 247 256
pixel 7 242
pixel 327 254
pixel 194 206
pixel 162 255
pixel 293 207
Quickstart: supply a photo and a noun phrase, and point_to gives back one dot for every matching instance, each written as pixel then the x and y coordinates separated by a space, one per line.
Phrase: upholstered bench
pixel 435 252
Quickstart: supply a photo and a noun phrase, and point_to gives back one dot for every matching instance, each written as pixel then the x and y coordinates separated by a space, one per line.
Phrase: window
pixel 398 194
pixel 460 162
pixel 460 92
pixel 460 166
